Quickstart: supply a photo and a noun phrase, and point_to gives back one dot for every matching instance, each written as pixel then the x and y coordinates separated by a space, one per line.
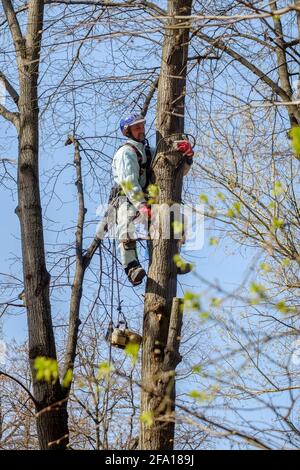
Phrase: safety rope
pixel 112 286
pixel 119 308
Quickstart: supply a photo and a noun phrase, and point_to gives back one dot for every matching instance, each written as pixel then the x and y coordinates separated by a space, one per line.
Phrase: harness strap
pixel 143 166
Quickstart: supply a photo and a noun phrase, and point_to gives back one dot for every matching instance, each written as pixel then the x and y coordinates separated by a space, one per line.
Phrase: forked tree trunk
pixel 160 354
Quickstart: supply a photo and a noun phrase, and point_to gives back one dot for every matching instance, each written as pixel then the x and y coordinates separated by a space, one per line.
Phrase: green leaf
pixel 237 207
pixel 199 396
pixel 126 185
pixel 191 301
pixel 203 198
pixel 104 370
pixel 204 315
pixel 189 295
pixel 132 350
pixel 147 418
pixel 138 196
pixel 258 289
pixel 196 369
pixel 281 307
pixel 295 137
pixel 67 378
pixel 272 205
pixel 46 369
pixel 277 223
pixel 234 210
pixel 221 196
pixel 278 188
pixel 216 301
pixel 213 241
pixel 180 263
pixel 286 262
pixel 265 267
pixel 178 227
pixel 153 191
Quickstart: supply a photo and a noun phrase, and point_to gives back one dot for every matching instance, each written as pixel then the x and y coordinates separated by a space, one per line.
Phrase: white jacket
pixel 127 171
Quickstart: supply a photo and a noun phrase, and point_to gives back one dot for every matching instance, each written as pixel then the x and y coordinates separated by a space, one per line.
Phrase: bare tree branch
pixel 220 44
pixel 149 97
pixel 9 88
pixel 18 39
pixel 21 385
pixel 79 270
pixel 10 116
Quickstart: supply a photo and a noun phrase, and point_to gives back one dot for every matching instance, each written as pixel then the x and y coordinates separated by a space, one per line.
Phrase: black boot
pixel 135 273
pixel 184 269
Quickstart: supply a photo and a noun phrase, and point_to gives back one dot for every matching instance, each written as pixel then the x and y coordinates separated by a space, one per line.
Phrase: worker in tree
pixel 131 168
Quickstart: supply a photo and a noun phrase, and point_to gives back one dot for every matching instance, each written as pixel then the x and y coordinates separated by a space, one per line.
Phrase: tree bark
pixel 52 418
pixel 283 71
pixel 158 384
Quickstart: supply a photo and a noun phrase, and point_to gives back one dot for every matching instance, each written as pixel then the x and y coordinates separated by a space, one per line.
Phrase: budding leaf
pixel 132 350
pixel 295 137
pixel 67 378
pixel 46 369
pixel 147 418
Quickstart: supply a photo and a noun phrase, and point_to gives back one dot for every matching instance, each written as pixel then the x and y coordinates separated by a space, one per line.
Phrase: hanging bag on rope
pixel 120 335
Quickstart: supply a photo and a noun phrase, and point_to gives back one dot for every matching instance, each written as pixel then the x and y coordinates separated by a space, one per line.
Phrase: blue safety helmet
pixel 130 121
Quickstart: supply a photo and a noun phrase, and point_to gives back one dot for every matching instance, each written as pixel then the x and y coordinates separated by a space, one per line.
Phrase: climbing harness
pixel 143 166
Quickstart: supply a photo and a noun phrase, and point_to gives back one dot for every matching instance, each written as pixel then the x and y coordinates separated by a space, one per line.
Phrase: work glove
pixel 185 147
pixel 145 211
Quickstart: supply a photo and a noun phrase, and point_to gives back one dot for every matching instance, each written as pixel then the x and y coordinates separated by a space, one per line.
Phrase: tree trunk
pixel 52 424
pixel 158 371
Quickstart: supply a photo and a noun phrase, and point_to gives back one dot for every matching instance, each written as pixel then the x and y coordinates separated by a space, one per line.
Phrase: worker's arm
pixel 187 165
pixel 127 170
pixel 185 148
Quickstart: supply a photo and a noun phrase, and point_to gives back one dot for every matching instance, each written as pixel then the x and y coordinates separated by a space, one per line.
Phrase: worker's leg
pixel 127 242
pixel 183 267
pixel 126 233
